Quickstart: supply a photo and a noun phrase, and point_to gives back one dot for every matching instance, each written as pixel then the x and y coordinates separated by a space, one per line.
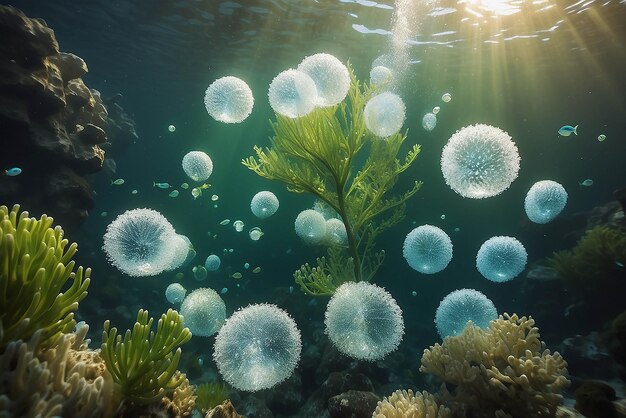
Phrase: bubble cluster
pixel 380 75
pixel 480 161
pixel 364 321
pixel 212 263
pixel 384 114
pixel 264 204
pixel 310 226
pixel 257 348
pixel 427 249
pixel 203 311
pixel 501 259
pixel 544 201
pixel 292 93
pixel 429 121
pixel 461 306
pixel 331 78
pixel 197 165
pixel 336 232
pixel 175 293
pixel 229 100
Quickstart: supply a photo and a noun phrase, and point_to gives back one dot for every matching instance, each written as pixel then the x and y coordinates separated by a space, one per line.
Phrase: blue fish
pixel 567 130
pixel 12 172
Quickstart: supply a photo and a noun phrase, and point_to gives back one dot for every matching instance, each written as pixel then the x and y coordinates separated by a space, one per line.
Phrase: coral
pixel 64 379
pixel 257 348
pixel 364 321
pixel 264 204
pixel 39 289
pixel 503 371
pixel 229 100
pixel 331 78
pixel 204 312
pixel 181 402
pixel 225 410
pixel 544 201
pixel 427 249
pixel 501 259
pixel 461 306
pixel 143 362
pixel 594 260
pixel 197 165
pixel 320 154
pixel 292 94
pixel 480 161
pixel 140 242
pixel 210 395
pixel 384 114
pixel 406 404
pixel 175 293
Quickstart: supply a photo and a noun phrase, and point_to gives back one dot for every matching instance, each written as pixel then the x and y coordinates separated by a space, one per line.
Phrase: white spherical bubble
pixel 197 165
pixel 171 128
pixel 212 263
pixel 544 201
pixel 203 311
pixel 336 232
pixel 446 97
pixel 182 246
pixel 257 348
pixel 292 93
pixel 461 306
pixel 427 249
pixel 175 293
pixel 310 226
pixel 384 114
pixel 501 259
pixel 238 225
pixel 429 121
pixel 255 233
pixel 480 161
pixel 331 78
pixel 229 100
pixel 380 75
pixel 199 273
pixel 264 204
pixel 436 109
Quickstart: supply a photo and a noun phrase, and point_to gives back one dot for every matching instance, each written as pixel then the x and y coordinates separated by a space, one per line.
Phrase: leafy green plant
pixel 35 267
pixel 209 395
pixel 319 154
pixel 143 362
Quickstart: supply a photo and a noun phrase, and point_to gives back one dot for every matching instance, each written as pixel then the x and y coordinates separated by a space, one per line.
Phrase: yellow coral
pixel 181 402
pixel 406 404
pixel 504 370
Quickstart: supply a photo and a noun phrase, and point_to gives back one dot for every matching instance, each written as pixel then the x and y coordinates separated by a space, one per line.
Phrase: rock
pixel 92 134
pixel 340 382
pixel 353 404
pixel 286 398
pixel 254 407
pixel 71 66
pixel 595 400
pixel 225 410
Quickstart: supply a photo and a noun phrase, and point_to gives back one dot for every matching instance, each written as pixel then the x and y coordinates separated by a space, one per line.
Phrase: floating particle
pixel 134 191
pixel 103 214
pixel 173 193
pixel 224 290
pixel 184 186
pixel 246 265
pixel 586 183
pixel 215 206
pixel 457 229
pixel 443 217
pixel 161 185
pixel 215 198
pixel 237 275
pixel 601 137
pixel 414 293
pixel 429 121
pixel 196 193
pixel 238 225
pixel 229 100
pixel 171 128
pixel 180 275
pixel 290 290
pixel 446 97
pixel 225 222
pixel 255 233
pixel 257 270
pixel 199 272
pixel 118 182
pixel 436 109
pixel 384 114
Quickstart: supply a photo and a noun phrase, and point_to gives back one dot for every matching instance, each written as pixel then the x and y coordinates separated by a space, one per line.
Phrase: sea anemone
pixel 480 161
pixel 140 242
pixel 257 348
pixel 292 93
pixel 544 201
pixel 384 114
pixel 229 100
pixel 203 312
pixel 461 306
pixel 331 78
pixel 500 259
pixel 197 165
pixel 364 321
pixel 264 204
pixel 427 249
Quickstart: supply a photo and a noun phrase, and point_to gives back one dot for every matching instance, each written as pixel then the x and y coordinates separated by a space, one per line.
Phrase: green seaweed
pixel 319 154
pixel 209 395
pixel 143 362
pixel 35 267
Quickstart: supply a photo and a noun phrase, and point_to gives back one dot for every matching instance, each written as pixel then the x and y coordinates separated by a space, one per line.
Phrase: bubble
pixel 336 232
pixel 331 78
pixel 461 306
pixel 501 259
pixel 238 225
pixel 380 75
pixel 436 109
pixel 229 100
pixel 203 311
pixel 544 201
pixel 292 93
pixel 264 204
pixel 446 97
pixel 429 121
pixel 212 263
pixel 197 165
pixel 199 273
pixel 384 114
pixel 255 233
pixel 427 249
pixel 171 128
pixel 175 293
pixel 310 226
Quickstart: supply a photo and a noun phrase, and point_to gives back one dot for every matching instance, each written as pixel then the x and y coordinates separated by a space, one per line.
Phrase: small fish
pixel 173 193
pixel 225 222
pixel 586 183
pixel 196 192
pixel 118 182
pixel 12 172
pixel 205 186
pixel 601 137
pixel 619 264
pixel 237 275
pixel 161 185
pixel 257 270
pixel 567 130
pixel 184 186
pixel 103 214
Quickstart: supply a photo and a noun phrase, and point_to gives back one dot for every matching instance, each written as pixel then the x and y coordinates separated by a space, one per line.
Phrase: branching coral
pixel 143 362
pixel 502 371
pixel 318 154
pixel 35 266
pixel 182 400
pixel 406 404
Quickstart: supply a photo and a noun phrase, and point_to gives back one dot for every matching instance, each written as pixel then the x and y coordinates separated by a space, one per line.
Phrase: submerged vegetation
pixel 319 154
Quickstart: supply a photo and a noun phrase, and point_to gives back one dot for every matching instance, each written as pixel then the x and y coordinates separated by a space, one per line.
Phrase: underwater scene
pixel 313 208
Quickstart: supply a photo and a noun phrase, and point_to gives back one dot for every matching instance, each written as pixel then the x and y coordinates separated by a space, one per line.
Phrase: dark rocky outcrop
pixel 51 123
